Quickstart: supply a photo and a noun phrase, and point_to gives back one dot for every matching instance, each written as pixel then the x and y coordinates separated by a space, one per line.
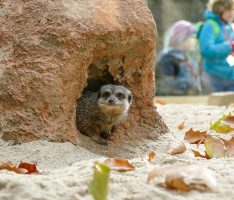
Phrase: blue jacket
pixel 215 49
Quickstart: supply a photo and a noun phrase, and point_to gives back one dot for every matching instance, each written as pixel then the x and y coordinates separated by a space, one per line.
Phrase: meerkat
pixel 98 112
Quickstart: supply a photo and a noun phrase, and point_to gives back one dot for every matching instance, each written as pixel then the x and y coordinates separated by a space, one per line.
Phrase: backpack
pixel 199 26
pixel 214 24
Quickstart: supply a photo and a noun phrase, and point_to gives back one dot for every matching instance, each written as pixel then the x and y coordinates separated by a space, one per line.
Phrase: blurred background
pixel 167 12
pixel 180 61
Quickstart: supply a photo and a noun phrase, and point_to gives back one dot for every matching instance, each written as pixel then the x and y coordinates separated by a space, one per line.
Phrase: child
pixel 217 49
pixel 177 71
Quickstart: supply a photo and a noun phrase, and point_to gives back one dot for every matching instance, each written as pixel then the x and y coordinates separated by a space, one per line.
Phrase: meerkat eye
pixel 106 94
pixel 129 98
pixel 120 95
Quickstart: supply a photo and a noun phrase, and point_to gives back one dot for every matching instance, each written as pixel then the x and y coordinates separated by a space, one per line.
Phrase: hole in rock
pixel 98 77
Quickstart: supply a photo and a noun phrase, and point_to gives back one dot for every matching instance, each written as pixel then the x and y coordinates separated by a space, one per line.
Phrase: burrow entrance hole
pixel 99 75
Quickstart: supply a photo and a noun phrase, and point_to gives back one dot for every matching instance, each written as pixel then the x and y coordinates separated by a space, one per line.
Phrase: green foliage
pixel 221 127
pixel 98 187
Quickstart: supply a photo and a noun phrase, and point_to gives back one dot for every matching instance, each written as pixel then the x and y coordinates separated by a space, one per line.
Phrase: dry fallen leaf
pixel 215 147
pixel 199 154
pixel 31 168
pixel 230 147
pixel 195 137
pixel 176 181
pixel 118 164
pixel 221 127
pixel 9 166
pixel 229 120
pixel 185 177
pixel 151 156
pixel 181 126
pixel 176 148
pixel 225 124
pixel 23 168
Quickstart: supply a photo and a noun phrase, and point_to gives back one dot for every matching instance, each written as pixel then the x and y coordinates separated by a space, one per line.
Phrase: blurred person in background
pixel 217 46
pixel 177 67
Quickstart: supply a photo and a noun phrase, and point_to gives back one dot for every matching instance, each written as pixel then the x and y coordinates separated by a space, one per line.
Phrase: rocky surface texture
pixel 50 51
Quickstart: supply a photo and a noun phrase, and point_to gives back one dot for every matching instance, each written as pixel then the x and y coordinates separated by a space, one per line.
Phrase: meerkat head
pixel 114 99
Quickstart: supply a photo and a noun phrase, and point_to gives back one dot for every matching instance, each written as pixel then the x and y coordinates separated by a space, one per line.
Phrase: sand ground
pixel 66 169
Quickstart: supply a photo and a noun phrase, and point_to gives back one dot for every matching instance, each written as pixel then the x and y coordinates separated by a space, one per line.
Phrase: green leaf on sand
pixel 220 126
pixel 98 187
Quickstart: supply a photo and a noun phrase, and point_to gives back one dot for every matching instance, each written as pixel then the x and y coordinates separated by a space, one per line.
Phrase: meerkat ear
pixel 130 98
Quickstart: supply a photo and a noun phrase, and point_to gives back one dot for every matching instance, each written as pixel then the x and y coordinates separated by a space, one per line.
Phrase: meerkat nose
pixel 110 101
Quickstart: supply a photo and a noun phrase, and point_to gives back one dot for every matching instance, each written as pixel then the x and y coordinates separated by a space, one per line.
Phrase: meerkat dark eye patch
pixel 106 94
pixel 120 95
pixel 129 98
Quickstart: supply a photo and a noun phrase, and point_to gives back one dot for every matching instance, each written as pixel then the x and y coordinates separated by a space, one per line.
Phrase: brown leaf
pixel 176 148
pixel 151 156
pixel 185 177
pixel 31 168
pixel 181 126
pixel 176 181
pixel 119 164
pixel 229 120
pixel 195 137
pixel 230 147
pixel 215 147
pixel 23 168
pixel 9 166
pixel 198 154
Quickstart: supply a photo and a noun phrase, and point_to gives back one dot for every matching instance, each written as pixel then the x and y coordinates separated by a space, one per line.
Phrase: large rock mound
pixel 51 50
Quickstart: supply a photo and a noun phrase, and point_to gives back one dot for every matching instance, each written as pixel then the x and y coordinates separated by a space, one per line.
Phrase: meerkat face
pixel 114 99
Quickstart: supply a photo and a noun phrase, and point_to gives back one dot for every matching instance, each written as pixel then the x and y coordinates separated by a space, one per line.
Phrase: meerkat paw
pixel 102 141
pixel 105 134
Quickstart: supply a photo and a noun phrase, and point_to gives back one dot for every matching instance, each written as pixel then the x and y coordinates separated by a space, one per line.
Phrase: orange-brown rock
pixel 51 50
